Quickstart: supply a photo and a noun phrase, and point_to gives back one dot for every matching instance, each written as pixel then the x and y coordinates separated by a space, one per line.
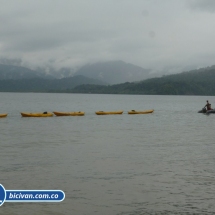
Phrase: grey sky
pixel 159 34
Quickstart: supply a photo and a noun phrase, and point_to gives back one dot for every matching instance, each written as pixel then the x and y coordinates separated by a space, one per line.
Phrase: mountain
pixel 18 72
pixel 56 73
pixel 114 72
pixel 195 82
pixel 45 85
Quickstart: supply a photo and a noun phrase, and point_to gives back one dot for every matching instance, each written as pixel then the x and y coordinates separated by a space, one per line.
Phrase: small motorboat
pixel 44 114
pixel 108 112
pixel 3 115
pixel 80 113
pixel 140 112
pixel 204 110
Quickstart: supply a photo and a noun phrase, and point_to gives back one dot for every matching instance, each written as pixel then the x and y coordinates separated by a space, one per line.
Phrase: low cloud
pixel 14 62
pixel 153 34
pixel 202 5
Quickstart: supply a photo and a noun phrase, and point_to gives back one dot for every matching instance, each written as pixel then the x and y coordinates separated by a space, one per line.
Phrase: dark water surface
pixel 160 163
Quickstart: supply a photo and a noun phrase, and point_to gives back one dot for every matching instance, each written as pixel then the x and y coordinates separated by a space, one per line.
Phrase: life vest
pixel 209 107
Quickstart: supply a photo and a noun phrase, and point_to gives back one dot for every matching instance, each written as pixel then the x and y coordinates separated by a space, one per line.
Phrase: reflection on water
pixel 160 163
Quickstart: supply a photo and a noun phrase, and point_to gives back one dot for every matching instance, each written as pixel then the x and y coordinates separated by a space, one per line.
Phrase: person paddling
pixel 208 105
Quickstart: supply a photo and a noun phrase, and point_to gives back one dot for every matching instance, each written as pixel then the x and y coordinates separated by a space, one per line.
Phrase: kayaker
pixel 208 105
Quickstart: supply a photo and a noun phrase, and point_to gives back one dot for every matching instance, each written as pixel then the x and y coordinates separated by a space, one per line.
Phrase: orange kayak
pixel 2 115
pixel 140 112
pixel 44 114
pixel 69 113
pixel 107 113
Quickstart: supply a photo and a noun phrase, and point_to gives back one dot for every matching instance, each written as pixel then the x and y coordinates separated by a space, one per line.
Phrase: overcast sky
pixel 157 34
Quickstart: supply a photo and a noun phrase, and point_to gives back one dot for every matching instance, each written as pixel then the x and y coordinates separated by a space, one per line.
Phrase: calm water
pixel 160 163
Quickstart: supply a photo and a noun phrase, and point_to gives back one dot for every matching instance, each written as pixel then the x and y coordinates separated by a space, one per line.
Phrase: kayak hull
pixel 3 115
pixel 69 113
pixel 37 114
pixel 108 113
pixel 140 112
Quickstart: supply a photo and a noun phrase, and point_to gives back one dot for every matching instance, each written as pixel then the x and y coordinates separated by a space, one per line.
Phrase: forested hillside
pixel 196 82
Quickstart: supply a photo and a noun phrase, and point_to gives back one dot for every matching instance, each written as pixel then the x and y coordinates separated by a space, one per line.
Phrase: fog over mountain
pixel 18 72
pixel 114 72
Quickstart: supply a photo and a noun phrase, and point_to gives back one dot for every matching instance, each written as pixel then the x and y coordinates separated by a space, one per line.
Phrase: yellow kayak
pixel 69 113
pixel 140 112
pixel 106 113
pixel 2 115
pixel 44 114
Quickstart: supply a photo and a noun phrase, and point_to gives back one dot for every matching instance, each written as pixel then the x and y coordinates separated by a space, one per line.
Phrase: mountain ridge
pixel 45 85
pixel 114 72
pixel 194 82
pixel 111 72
